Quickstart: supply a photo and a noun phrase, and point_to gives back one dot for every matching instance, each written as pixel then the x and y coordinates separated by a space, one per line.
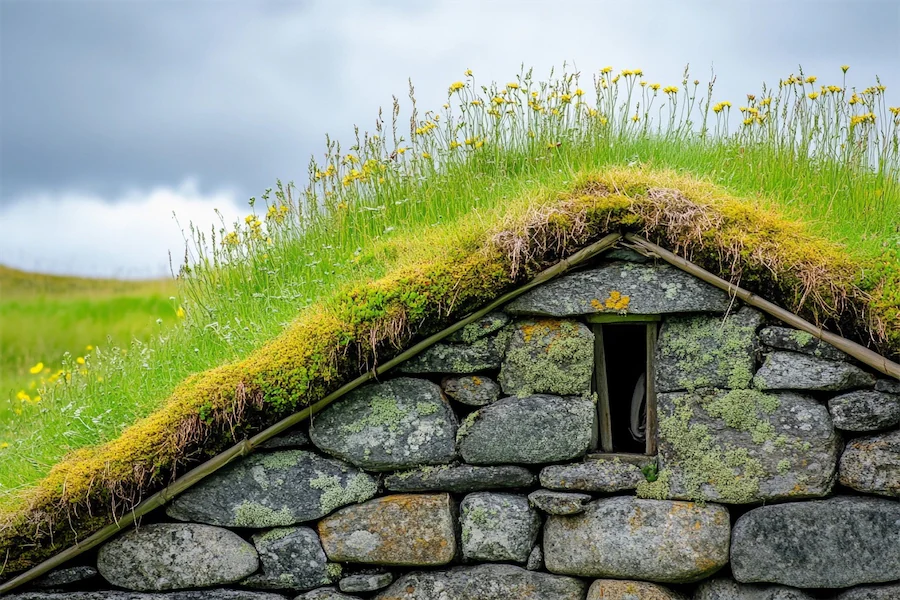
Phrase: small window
pixel 624 356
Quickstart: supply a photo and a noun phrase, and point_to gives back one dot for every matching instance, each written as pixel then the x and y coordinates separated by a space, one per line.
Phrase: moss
pixel 273 535
pixel 658 489
pixel 466 425
pixel 359 488
pixel 802 338
pixel 334 571
pixel 784 465
pixel 253 514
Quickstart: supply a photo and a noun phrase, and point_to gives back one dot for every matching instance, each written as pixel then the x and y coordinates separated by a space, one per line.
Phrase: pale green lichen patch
pixel 742 409
pixel 334 571
pixel 802 338
pixel 658 489
pixel 284 459
pixel 548 356
pixel 253 514
pixel 384 411
pixel 273 535
pixel 466 425
pixel 360 487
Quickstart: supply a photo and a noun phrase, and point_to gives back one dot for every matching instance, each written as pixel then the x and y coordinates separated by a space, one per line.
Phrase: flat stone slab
pixel 865 410
pixel 872 464
pixel 484 582
pixel 169 556
pixel 595 475
pixel 66 576
pixel 273 489
pixel 217 594
pixel 628 538
pixel 703 351
pixel 532 430
pixel 728 589
pixel 744 446
pixel 498 527
pixel 548 356
pixel 833 543
pixel 559 503
pixel 616 589
pixel 473 390
pixel 400 423
pixel 400 530
pixel 326 593
pixel 795 371
pixel 291 558
pixel 481 355
pixel 785 338
pixel 890 591
pixel 483 327
pixel 888 386
pixel 460 479
pixel 640 289
pixel 366 582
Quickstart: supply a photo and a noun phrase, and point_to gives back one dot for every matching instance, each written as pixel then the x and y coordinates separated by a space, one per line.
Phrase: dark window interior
pixel 625 347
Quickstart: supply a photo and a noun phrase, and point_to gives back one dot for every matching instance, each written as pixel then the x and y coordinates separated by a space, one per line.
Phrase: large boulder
pixel 397 424
pixel 171 556
pixel 498 527
pixel 728 589
pixel 872 464
pixel 533 430
pixel 628 538
pixel 400 530
pixel 459 478
pixel 795 371
pixel 744 446
pixel 865 410
pixel 291 558
pixel 617 589
pixel 605 475
pixel 484 582
pixel 273 489
pixel 833 543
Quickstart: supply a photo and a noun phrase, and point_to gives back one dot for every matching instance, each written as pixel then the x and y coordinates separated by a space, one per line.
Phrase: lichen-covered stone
pixel 216 594
pixel 865 410
pixel 474 390
pixel 605 475
pixel 833 543
pixel 484 582
pixel 558 503
pixel 743 446
pixel 641 289
pixel 628 538
pixel 365 582
pixel 460 479
pixel 785 338
pixel 728 589
pixel 548 357
pixel 481 355
pixel 890 591
pixel 702 351
pixel 326 593
pixel 66 576
pixel 483 327
pixel 170 556
pixel 872 464
pixel 888 386
pixel 273 489
pixel 291 439
pixel 400 423
pixel 616 589
pixel 498 527
pixel 535 560
pixel 533 430
pixel 401 530
pixel 290 558
pixel 795 371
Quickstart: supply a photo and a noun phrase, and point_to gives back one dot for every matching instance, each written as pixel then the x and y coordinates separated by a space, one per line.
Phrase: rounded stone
pixel 291 558
pixel 473 390
pixel 558 503
pixel 872 464
pixel 617 589
pixel 498 527
pixel 865 410
pixel 728 589
pixel 326 593
pixel 365 582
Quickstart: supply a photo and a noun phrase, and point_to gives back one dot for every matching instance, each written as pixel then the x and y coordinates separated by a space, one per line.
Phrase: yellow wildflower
pixel 845 68
pixel 512 85
pixel 4 445
pixel 89 347
pixel 468 72
pixel 859 119
pixel 36 368
pixel 813 95
pixel 670 89
pixel 579 92
pixel 456 86
pixel 606 70
pixel 80 360
pixel 810 79
pixel 565 98
pixel 21 395
pixel 180 312
pixel 454 145
pixel 426 155
pixel 475 102
pixel 654 86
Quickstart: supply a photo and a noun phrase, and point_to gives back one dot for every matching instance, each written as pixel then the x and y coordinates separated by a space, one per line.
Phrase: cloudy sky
pixel 115 114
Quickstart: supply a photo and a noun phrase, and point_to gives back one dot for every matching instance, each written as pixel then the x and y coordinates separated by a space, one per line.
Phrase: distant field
pixel 44 316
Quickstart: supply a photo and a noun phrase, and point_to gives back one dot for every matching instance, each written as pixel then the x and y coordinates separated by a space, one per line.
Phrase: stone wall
pixel 472 473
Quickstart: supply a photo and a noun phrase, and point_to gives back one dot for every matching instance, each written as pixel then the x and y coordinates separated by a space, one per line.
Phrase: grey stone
pixel 888 386
pixel 785 338
pixel 558 503
pixel 728 589
pixel 628 538
pixel 401 530
pixel 627 255
pixel 168 556
pixel 326 593
pixel 535 560
pixel 217 594
pixel 548 357
pixel 291 558
pixel 833 543
pixel 702 351
pixel 460 479
pixel 400 423
pixel 291 439
pixel 273 489
pixel 474 390
pixel 481 355
pixel 484 582
pixel 532 430
pixel 865 410
pixel 651 289
pixel 794 371
pixel 66 576
pixel 890 591
pixel 366 582
pixel 498 527
pixel 872 464
pixel 617 589
pixel 483 327
pixel 605 475
pixel 743 446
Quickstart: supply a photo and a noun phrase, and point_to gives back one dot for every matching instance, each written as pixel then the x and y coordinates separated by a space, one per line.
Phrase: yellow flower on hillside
pixel 88 348
pixel 80 360
pixel 426 155
pixel 180 312
pixel 454 145
pixel 36 368
pixel 21 395
pixel 4 445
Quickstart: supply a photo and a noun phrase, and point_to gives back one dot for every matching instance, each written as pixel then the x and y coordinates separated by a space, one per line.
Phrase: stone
pixel 605 475
pixel 627 255
pixel 531 430
pixel 794 371
pixel 326 593
pixel 484 582
pixel 728 589
pixel 291 558
pixel 481 355
pixel 400 530
pixel 558 503
pixel 535 560
pixel 628 538
pixel 702 351
pixel 872 464
pixel 169 556
pixel 473 390
pixel 366 582
pixel 217 594
pixel 743 446
pixel 460 479
pixel 400 423
pixel 291 439
pixel 498 527
pixel 833 543
pixel 785 338
pixel 66 576
pixel 616 589
pixel 872 592
pixel 865 410
pixel 639 289
pixel 888 386
pixel 273 489
pixel 548 357
pixel 483 327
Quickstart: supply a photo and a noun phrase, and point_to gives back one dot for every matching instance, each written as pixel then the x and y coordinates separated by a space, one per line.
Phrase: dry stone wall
pixel 473 473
